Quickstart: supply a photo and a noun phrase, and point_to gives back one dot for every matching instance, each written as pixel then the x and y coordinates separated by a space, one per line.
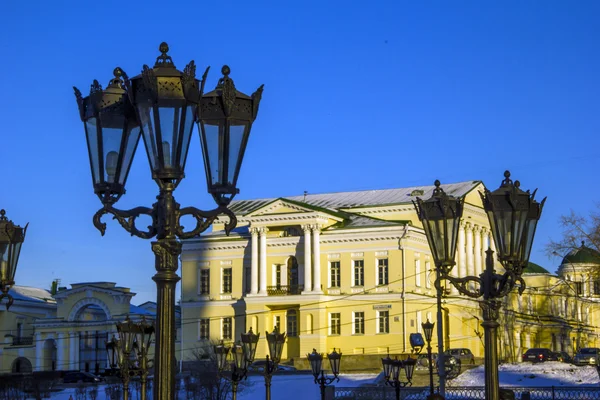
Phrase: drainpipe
pixel 402 296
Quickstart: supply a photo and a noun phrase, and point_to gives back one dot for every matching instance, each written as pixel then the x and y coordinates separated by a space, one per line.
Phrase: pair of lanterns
pixel 162 104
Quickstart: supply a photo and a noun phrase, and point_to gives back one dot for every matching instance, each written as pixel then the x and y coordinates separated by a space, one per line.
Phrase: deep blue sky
pixel 358 95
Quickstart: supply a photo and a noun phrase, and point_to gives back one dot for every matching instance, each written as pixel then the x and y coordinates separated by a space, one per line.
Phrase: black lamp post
pixel 428 330
pixel 161 105
pixel 243 355
pixel 275 340
pixel 316 363
pixel 11 238
pixel 111 352
pixel 391 371
pixel 513 215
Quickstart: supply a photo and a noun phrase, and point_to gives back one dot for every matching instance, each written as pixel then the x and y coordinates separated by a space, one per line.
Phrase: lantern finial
pixel 2 215
pixel 164 60
pixel 117 82
pixel 226 70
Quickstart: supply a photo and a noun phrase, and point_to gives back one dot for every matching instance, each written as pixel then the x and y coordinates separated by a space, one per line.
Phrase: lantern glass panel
pixel 213 147
pixel 146 114
pixel 316 361
pixel 409 368
pixel 91 130
pixel 238 132
pixel 387 366
pixel 396 365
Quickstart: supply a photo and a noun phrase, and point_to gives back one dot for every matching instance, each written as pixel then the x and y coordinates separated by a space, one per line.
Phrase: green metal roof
pixel 582 255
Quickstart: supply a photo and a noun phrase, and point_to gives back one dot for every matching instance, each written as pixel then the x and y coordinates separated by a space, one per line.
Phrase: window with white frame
pixel 359 272
pixel 204 282
pixel 419 321
pixel 204 329
pixel 227 328
pixel 227 280
pixel 383 322
pixel 429 276
pixel 417 272
pixel 335 323
pixel 382 271
pixel 359 323
pixel 334 269
pixel 292 323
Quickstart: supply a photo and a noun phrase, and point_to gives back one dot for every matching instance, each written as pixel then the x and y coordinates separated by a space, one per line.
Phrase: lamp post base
pixel 490 325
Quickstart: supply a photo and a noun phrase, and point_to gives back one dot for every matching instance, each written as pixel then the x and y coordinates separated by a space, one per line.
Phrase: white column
pixel 263 261
pixel 60 352
pixel 307 259
pixel 317 258
pixel 462 262
pixel 254 265
pixel 39 351
pixel 469 249
pixel 478 269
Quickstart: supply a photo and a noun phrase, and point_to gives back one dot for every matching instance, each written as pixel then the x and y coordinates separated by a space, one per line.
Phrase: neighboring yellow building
pixel 66 329
pixel 354 271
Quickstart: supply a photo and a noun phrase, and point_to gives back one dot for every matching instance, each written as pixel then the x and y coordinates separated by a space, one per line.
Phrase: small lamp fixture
pixel 276 341
pixel 428 330
pixel 11 239
pixel 409 367
pixel 225 119
pixel 441 216
pixel 513 215
pixel 387 367
pixel 316 361
pixel 249 342
pixel 111 351
pixel 221 351
pixel 334 360
pixel 239 357
pixel 112 134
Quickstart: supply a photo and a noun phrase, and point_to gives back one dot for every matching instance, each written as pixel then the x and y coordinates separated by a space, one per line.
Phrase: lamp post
pixel 428 330
pixel 161 105
pixel 391 371
pixel 316 363
pixel 11 239
pixel 275 340
pixel 243 355
pixel 111 352
pixel 513 215
pixel 130 351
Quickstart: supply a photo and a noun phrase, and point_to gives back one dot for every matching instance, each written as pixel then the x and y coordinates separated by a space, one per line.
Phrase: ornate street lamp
pixel 428 330
pixel 391 372
pixel 162 104
pixel 513 215
pixel 316 363
pixel 11 238
pixel 243 355
pixel 275 340
pixel 112 354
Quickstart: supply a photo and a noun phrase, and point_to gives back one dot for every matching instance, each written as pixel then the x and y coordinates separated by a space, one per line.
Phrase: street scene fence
pixel 469 393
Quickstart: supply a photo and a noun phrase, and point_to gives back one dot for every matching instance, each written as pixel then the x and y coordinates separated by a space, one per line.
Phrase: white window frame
pixel 378 326
pixel 429 272
pixel 420 322
pixel 354 323
pixel 199 291
pixel 329 282
pixel 354 273
pixel 331 324
pixel 377 271
pixel 223 328
pixel 223 279
pixel 417 270
pixel 200 329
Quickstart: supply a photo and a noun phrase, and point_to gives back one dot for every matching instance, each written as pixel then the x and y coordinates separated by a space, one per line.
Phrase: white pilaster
pixel 478 268
pixel 263 261
pixel 254 265
pixel 462 262
pixel 39 351
pixel 307 259
pixel 469 249
pixel 317 258
pixel 60 352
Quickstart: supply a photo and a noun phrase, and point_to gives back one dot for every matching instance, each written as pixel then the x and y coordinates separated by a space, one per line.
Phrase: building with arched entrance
pixel 64 330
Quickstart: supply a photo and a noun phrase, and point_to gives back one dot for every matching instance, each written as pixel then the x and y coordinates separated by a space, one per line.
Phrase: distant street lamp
pixel 130 351
pixel 112 354
pixel 428 330
pixel 391 372
pixel 275 340
pixel 11 238
pixel 316 364
pixel 243 355
pixel 161 105
pixel 513 215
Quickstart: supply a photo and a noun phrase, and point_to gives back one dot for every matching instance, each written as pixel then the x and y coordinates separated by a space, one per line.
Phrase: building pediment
pixel 281 206
pixel 91 289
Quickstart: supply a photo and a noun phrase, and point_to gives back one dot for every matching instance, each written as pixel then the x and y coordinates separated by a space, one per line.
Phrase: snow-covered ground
pixel 298 387
pixel 551 373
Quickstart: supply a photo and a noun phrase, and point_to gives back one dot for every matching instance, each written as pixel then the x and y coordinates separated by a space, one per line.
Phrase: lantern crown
pixel 11 239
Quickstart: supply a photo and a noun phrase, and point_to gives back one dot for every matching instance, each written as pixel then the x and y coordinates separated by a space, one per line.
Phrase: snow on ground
pixel 550 373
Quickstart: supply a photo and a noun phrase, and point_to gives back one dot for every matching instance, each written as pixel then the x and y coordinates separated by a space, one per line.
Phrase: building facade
pixel 353 271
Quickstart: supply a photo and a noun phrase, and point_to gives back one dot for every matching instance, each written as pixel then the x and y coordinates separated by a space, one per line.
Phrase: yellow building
pixel 65 329
pixel 354 271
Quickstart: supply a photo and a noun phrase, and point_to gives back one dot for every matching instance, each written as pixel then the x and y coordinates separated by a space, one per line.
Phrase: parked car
pixel 563 356
pixel 423 360
pixel 260 367
pixel 538 355
pixel 464 355
pixel 76 377
pixel 587 356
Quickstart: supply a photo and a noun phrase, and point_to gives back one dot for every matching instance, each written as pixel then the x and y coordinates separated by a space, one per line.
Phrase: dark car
pixel 563 356
pixel 260 367
pixel 464 355
pixel 538 355
pixel 76 377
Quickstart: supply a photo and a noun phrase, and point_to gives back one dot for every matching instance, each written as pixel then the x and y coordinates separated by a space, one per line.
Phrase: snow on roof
pixel 364 198
pixel 28 293
pixel 140 311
